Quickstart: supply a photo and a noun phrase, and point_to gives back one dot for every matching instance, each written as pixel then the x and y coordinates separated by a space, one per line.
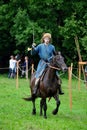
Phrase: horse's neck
pixel 51 73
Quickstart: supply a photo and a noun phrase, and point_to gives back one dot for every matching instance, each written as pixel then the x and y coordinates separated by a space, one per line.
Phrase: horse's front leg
pixel 34 108
pixel 43 105
pixel 56 97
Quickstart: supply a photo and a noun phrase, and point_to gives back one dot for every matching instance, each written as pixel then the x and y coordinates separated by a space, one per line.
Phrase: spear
pixel 29 49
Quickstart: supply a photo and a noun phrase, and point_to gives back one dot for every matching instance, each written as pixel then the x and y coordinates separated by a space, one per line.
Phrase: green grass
pixel 15 113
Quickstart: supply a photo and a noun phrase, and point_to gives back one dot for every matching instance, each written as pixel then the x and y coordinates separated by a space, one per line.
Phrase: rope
pixel 22 70
pixel 77 77
pixel 51 67
pixel 61 74
pixel 4 68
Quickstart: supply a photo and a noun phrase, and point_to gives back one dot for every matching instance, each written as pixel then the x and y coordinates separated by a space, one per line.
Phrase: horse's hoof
pixel 54 112
pixel 41 114
pixel 45 117
pixel 33 112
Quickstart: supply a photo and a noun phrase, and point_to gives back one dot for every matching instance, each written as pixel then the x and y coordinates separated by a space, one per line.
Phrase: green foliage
pixel 74 25
pixel 20 29
pixel 24 22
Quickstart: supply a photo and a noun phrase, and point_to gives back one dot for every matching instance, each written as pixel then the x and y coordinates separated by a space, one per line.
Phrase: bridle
pixel 53 67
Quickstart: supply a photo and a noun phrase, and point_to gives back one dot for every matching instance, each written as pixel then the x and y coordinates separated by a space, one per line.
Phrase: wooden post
pixel 80 65
pixel 26 67
pixel 86 84
pixel 86 80
pixel 79 76
pixel 32 71
pixel 70 85
pixel 79 54
pixel 17 75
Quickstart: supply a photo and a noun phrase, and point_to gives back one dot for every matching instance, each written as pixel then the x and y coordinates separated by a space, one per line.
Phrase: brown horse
pixel 48 85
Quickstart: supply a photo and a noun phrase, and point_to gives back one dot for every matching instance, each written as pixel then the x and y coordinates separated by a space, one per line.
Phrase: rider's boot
pixel 59 85
pixel 36 86
pixel 60 90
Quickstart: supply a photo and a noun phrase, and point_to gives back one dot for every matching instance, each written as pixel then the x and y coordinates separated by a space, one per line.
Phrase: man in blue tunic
pixel 46 51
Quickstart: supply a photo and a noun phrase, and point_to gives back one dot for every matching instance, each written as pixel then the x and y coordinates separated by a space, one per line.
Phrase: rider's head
pixel 46 38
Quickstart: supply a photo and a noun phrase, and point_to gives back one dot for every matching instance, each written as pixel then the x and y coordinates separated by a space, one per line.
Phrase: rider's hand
pixel 29 49
pixel 33 45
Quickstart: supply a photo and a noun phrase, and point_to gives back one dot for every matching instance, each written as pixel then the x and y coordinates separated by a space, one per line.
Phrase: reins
pixel 56 68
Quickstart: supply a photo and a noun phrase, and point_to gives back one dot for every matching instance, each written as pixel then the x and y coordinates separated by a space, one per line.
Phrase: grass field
pixel 15 113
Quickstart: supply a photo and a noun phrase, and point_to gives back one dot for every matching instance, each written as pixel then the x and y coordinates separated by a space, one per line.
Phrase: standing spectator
pixel 23 66
pixel 12 67
pixel 86 74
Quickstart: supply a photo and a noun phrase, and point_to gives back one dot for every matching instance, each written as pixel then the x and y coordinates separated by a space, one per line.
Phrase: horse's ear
pixel 58 53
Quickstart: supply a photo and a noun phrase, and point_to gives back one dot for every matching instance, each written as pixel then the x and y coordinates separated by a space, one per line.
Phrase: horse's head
pixel 58 61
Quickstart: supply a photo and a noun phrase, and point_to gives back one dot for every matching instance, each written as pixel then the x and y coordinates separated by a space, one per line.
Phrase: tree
pixel 23 22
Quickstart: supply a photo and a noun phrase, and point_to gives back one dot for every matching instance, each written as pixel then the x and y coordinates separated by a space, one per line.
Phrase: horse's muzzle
pixel 65 69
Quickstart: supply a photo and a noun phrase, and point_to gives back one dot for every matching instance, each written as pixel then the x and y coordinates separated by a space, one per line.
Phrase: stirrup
pixel 61 93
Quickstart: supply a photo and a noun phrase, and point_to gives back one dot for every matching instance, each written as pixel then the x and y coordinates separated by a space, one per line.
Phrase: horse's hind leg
pixel 45 108
pixel 34 108
pixel 57 104
pixel 41 107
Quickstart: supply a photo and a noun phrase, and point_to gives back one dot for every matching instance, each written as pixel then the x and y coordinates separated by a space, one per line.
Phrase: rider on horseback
pixel 45 51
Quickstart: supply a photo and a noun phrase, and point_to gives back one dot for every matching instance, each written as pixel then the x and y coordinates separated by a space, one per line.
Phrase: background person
pixel 12 67
pixel 24 64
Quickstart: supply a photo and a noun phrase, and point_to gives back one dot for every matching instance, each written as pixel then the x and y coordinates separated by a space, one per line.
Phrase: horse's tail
pixel 28 99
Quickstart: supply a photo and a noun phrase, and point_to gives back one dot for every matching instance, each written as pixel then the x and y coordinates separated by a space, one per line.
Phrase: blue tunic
pixel 45 53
